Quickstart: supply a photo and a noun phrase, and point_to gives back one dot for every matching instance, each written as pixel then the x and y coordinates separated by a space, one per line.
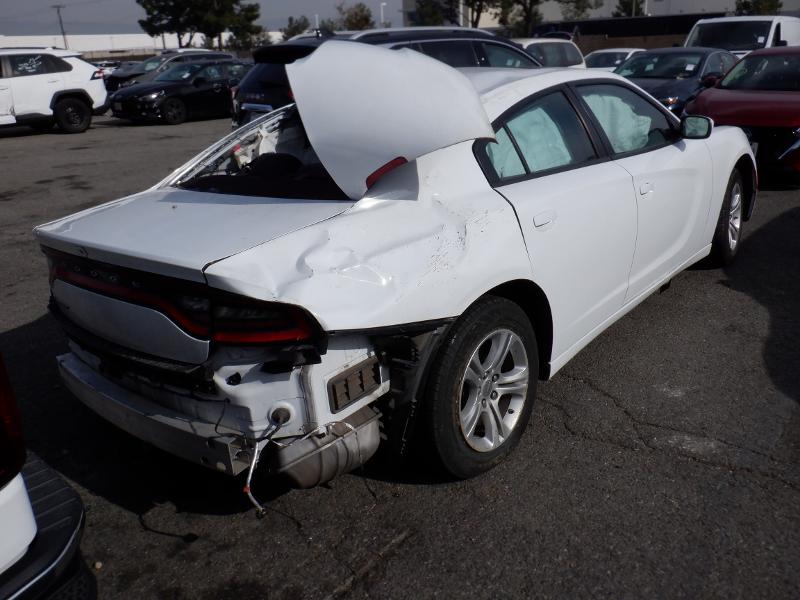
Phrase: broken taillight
pixel 12 448
pixel 244 321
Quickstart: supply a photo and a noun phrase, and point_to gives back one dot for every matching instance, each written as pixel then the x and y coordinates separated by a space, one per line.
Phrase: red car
pixel 761 94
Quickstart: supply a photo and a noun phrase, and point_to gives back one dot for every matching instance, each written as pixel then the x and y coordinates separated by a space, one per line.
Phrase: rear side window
pixel 56 65
pixel 236 71
pixel 630 122
pixel 501 56
pixel 23 65
pixel 456 53
pixel 549 136
pixel 728 60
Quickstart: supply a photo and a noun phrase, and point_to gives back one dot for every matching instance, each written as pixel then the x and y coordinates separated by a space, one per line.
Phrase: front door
pixel 577 212
pixel 670 180
pixel 6 98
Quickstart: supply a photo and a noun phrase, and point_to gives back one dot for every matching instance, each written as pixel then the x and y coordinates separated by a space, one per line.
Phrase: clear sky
pixel 36 17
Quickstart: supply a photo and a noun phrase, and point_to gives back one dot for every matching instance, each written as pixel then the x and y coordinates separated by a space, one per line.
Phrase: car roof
pixel 601 50
pixel 501 88
pixel 748 18
pixel 777 50
pixel 542 40
pixel 684 50
pixel 406 34
pixel 44 50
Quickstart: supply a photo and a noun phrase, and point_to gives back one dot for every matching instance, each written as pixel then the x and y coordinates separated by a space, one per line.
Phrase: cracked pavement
pixel 663 461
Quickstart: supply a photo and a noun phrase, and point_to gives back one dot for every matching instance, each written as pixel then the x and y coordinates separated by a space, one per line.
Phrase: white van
pixel 741 35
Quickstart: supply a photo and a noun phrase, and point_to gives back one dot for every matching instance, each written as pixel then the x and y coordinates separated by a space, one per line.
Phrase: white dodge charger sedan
pixel 400 255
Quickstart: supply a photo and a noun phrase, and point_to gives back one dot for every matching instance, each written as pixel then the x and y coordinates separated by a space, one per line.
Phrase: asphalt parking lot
pixel 662 462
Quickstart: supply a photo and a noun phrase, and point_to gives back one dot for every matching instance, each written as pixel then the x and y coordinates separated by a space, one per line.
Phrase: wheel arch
pixel 532 299
pixel 78 94
pixel 749 172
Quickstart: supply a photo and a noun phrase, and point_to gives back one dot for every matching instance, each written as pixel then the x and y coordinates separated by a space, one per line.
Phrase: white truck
pixel 741 35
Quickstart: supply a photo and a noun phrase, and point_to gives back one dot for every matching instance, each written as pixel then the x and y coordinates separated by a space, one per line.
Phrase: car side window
pixel 235 71
pixel 728 60
pixel 714 65
pixel 630 122
pixel 56 65
pixel 212 73
pixel 23 65
pixel 456 54
pixel 500 56
pixel 549 135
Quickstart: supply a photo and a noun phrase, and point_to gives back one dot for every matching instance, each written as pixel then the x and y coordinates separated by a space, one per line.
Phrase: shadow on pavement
pixel 777 288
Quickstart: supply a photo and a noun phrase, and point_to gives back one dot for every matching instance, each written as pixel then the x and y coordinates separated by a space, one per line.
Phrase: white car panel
pixel 385 104
pixel 17 522
pixel 409 251
pixel 585 279
pixel 673 194
pixel 176 232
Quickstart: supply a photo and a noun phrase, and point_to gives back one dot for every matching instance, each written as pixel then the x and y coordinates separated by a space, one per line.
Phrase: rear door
pixel 671 178
pixel 6 97
pixel 576 209
pixel 32 85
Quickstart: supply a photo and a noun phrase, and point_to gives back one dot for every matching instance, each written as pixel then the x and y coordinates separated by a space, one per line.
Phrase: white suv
pixel 42 86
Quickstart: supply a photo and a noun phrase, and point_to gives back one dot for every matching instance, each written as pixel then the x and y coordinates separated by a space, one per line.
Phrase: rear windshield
pixel 269 157
pixel 598 60
pixel 731 35
pixel 670 65
pixel 773 72
pixel 555 54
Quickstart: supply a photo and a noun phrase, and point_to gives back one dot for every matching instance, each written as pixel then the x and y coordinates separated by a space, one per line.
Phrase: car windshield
pixel 730 35
pixel 597 60
pixel 771 72
pixel 269 157
pixel 555 54
pixel 670 65
pixel 179 73
pixel 153 63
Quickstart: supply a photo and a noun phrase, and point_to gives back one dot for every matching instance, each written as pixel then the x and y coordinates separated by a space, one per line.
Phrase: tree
pixel 429 13
pixel 628 8
pixel 578 9
pixel 519 17
pixel 329 25
pixel 295 27
pixel 356 17
pixel 245 34
pixel 758 7
pixel 170 16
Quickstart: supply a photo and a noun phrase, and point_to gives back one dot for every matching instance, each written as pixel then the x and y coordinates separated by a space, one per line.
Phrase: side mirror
pixel 781 43
pixel 711 79
pixel 695 127
pixel 200 81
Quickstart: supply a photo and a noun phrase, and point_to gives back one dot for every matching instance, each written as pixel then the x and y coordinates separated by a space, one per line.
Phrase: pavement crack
pixel 369 565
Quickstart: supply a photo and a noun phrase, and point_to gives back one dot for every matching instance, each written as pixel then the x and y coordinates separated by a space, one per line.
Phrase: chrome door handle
pixel 544 220
pixel 52 81
pixel 645 188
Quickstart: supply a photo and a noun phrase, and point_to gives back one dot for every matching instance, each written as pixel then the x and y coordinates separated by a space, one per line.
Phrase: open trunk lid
pixel 364 106
pixel 178 232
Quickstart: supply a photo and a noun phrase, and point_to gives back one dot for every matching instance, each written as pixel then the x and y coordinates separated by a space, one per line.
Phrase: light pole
pixel 58 8
pixel 383 4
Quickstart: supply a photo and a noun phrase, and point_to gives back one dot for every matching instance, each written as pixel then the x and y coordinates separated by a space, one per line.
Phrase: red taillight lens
pixel 381 171
pixel 97 74
pixel 234 91
pixel 12 448
pixel 251 322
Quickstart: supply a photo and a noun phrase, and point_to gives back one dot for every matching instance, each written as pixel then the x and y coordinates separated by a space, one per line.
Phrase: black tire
pixel 724 245
pixel 449 390
pixel 173 111
pixel 72 115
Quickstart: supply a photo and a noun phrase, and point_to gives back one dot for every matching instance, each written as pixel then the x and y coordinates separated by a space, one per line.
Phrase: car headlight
pixel 153 96
pixel 670 101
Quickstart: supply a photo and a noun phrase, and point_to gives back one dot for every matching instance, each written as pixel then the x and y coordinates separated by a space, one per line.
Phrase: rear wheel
pixel 482 387
pixel 72 115
pixel 173 111
pixel 728 234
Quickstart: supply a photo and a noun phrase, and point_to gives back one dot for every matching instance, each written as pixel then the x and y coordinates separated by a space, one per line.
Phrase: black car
pixel 676 75
pixel 183 92
pixel 266 87
pixel 149 69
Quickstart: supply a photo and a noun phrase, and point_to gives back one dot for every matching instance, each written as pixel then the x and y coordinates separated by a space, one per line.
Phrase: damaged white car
pixel 402 253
